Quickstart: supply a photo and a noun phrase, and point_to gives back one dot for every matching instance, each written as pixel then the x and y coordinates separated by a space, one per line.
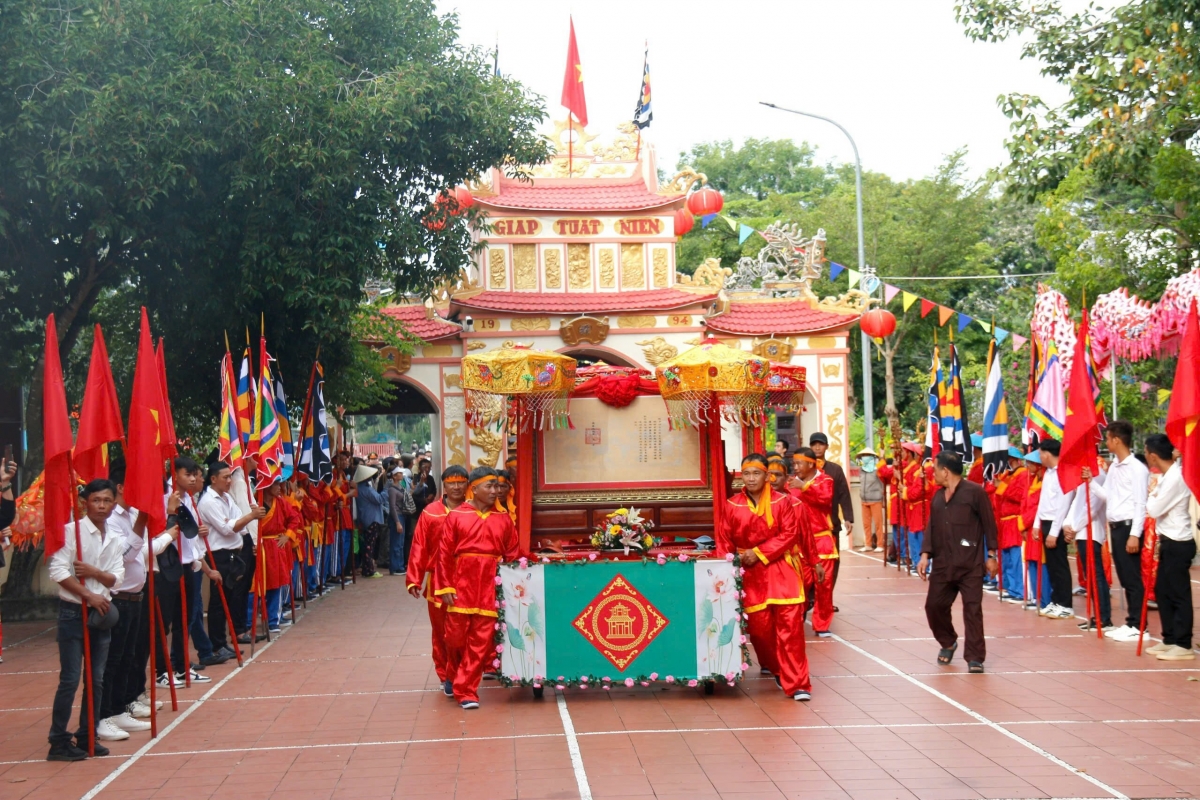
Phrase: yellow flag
pixel 908 299
pixel 1163 395
pixel 854 276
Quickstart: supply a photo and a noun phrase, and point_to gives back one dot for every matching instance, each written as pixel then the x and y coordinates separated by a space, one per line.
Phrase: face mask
pixel 867 463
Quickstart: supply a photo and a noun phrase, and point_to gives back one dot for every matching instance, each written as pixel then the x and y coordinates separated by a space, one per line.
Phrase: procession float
pixel 628 392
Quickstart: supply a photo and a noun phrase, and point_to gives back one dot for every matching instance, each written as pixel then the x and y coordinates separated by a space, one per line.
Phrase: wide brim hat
pixel 914 447
pixel 977 440
pixel 1015 453
pixel 1034 457
pixel 364 473
pixel 866 451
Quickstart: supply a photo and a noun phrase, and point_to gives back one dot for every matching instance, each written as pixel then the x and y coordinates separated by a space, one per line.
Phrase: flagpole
pixel 88 688
pixel 1092 588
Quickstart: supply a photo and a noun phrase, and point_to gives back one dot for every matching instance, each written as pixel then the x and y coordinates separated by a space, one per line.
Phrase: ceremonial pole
pixel 162 636
pixel 1092 588
pixel 93 708
pixel 224 604
pixel 183 614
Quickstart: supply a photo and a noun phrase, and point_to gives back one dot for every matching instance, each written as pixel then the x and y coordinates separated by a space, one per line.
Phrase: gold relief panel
pixel 453 380
pixel 821 343
pixel 778 350
pixel 396 363
pixel 553 258
pixel 490 442
pixel 579 265
pixel 642 321
pixel 660 268
pixel 633 266
pixel 836 430
pixel 516 227
pixel 530 323
pixel 607 270
pixel 476 345
pixel 437 351
pixel 657 350
pixel 497 270
pixel 592 330
pixel 525 266
pixel 456 444
pixel 640 226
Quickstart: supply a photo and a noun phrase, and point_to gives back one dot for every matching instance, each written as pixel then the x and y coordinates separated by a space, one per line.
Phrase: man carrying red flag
pixel 100 416
pixel 427 541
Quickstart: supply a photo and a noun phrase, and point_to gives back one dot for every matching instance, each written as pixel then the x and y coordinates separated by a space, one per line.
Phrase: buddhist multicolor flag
pixel 954 413
pixel 245 404
pixel 1027 435
pixel 933 438
pixel 1049 408
pixel 229 437
pixel 642 114
pixel 100 416
pixel 285 428
pixel 1183 417
pixel 266 436
pixel 315 459
pixel 995 418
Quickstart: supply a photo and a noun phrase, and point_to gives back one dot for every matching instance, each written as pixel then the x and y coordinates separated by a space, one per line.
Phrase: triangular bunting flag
pixel 964 321
pixel 944 314
pixel 1001 335
pixel 706 219
pixel 987 326
pixel 1163 396
pixel 1144 387
pixel 889 293
pixel 854 276
pixel 1018 342
pixel 733 226
pixel 926 307
pixel 908 299
pixel 835 269
pixel 744 233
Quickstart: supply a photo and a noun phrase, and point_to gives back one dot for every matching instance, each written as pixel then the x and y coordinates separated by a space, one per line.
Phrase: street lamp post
pixel 868 401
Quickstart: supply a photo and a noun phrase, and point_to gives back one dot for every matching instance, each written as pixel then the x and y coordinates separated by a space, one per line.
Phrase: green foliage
pixel 759 168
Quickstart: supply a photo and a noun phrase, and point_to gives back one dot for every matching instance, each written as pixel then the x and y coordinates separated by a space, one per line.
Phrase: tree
pixel 760 167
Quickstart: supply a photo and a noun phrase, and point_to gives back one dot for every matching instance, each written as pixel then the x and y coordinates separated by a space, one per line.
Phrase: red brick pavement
pixel 345 705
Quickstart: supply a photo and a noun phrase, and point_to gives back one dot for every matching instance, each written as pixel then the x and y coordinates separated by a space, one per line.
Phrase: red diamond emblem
pixel 620 623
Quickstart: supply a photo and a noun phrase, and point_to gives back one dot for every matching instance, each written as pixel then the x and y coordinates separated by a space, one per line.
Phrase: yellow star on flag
pixel 579 69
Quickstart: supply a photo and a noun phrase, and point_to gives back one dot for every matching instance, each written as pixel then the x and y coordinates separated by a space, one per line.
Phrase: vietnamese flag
pixel 100 417
pixel 144 452
pixel 1081 433
pixel 59 487
pixel 169 441
pixel 572 93
pixel 1184 414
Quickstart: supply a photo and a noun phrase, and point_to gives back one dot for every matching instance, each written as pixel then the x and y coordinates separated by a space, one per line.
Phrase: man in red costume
pixel 804 553
pixel 475 538
pixel 427 540
pixel 975 474
pixel 815 493
pixel 1008 496
pixel 1031 537
pixel 890 477
pixel 277 532
pixel 912 499
pixel 760 526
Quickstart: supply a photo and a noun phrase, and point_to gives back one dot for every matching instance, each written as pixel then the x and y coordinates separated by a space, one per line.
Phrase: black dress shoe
pixel 66 752
pixel 100 749
pixel 216 658
pixel 198 667
pixel 244 638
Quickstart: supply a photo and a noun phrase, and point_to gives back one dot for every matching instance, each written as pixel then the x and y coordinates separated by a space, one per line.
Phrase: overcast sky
pixel 898 74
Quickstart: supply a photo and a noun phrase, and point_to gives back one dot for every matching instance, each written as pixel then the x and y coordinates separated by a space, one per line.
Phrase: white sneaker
pixel 106 731
pixel 1058 612
pixel 1131 636
pixel 138 710
pixel 126 722
pixel 164 680
pixel 144 699
pixel 877 550
pixel 1115 632
pixel 196 678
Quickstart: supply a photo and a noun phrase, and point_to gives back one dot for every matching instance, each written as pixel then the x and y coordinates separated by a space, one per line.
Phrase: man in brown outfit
pixel 961 541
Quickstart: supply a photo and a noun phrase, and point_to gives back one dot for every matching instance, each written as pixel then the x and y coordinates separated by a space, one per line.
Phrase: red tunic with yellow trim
pixel 816 500
pixel 427 541
pixel 887 474
pixel 913 497
pixel 473 544
pixel 771 577
pixel 975 474
pixel 277 533
pixel 1028 520
pixel 1008 498
pixel 341 491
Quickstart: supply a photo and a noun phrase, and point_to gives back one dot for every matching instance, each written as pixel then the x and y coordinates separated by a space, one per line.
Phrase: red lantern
pixel 464 197
pixel 706 201
pixel 878 323
pixel 684 221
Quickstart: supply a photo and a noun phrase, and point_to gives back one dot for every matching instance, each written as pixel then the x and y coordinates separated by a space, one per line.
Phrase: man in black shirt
pixel 961 542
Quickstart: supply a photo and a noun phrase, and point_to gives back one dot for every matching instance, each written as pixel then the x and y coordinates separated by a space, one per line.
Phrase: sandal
pixel 975 667
pixel 946 654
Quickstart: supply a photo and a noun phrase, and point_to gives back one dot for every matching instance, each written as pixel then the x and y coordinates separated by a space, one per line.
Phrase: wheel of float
pixel 709 686
pixel 538 691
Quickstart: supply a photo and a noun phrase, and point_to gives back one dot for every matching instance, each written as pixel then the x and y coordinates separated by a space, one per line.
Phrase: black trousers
pixel 170 605
pixel 122 660
pixel 1173 590
pixel 71 669
pixel 1059 568
pixel 944 586
pixel 1129 571
pixel 229 563
pixel 1102 594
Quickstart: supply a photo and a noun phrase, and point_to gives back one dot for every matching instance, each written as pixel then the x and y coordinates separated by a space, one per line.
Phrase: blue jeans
pixel 312 571
pixel 900 538
pixel 1014 582
pixel 195 604
pixel 341 553
pixel 915 540
pixel 1031 572
pixel 70 663
pixel 273 596
pixel 400 534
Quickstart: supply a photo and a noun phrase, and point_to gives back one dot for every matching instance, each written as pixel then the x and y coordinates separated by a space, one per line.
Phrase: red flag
pixel 926 307
pixel 59 488
pixel 1081 433
pixel 1184 413
pixel 100 417
pixel 144 454
pixel 572 95
pixel 169 449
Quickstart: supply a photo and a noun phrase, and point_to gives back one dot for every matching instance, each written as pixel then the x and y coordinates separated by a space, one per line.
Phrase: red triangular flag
pixel 926 307
pixel 144 455
pixel 169 441
pixel 100 417
pixel 1183 417
pixel 1081 433
pixel 944 314
pixel 572 93
pixel 59 487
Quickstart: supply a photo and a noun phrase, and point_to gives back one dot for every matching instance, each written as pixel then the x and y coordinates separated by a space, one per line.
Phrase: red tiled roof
pixel 581 194
pixel 418 324
pixel 593 303
pixel 784 316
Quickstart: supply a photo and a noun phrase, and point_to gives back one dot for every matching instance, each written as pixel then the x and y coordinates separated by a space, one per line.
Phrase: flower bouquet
pixel 624 529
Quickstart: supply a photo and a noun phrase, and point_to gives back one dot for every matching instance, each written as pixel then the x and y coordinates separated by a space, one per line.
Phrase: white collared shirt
pixel 1168 504
pixel 102 549
pixel 220 513
pixel 190 550
pixel 1053 505
pixel 135 553
pixel 1127 486
pixel 1078 517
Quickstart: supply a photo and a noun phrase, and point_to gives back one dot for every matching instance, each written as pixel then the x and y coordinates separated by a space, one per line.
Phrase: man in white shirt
pixel 1052 512
pixel 100 566
pixel 1125 487
pixel 124 674
pixel 226 522
pixel 1092 563
pixel 1168 505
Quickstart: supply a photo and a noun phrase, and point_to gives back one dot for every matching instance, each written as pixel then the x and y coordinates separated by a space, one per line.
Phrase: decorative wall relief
pixel 607 269
pixel 553 259
pixel 660 268
pixel 525 266
pixel 579 266
pixel 657 350
pixel 491 442
pixel 592 330
pixel 633 266
pixel 497 271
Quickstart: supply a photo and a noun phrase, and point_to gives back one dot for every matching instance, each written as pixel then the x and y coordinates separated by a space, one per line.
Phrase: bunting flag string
pixel 926 307
pixel 854 276
pixel 835 269
pixel 889 293
pixel 907 301
pixel 944 315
